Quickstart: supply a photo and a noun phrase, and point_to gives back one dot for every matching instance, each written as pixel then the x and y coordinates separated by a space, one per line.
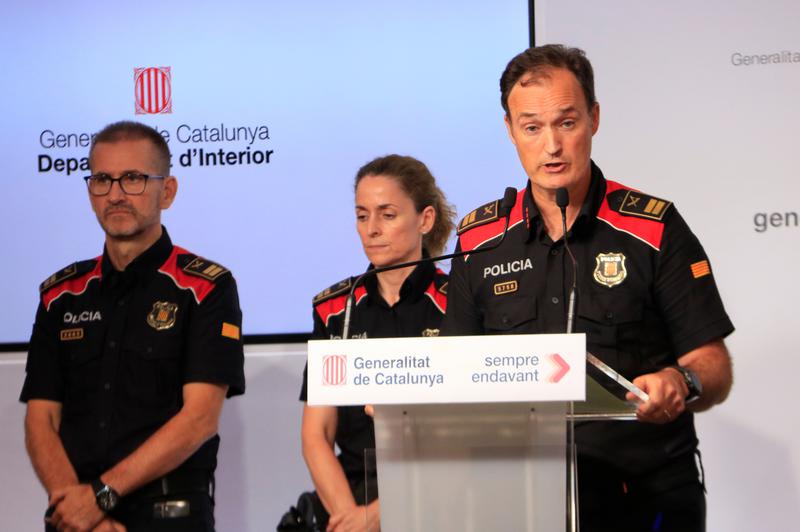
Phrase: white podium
pixel 470 431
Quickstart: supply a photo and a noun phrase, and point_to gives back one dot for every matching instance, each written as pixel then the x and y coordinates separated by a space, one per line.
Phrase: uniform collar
pixel 149 260
pixel 586 216
pixel 413 287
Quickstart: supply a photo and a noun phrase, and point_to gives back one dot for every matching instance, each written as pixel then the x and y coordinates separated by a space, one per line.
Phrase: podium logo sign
pixel 447 369
pixel 152 90
pixel 334 370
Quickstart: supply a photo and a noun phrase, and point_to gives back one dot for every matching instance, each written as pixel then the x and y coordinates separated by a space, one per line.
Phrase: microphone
pixel 507 203
pixel 503 211
pixel 562 201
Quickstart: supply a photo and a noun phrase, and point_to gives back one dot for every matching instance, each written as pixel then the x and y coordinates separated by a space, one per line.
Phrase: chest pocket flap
pixel 509 313
pixel 605 317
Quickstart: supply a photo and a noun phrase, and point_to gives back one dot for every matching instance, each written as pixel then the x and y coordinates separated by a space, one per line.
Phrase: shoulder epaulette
pixel 340 288
pixel 200 267
pixel 632 212
pixel 74 270
pixel 190 272
pixel 71 280
pixel 479 226
pixel 333 300
pixel 629 202
pixel 482 215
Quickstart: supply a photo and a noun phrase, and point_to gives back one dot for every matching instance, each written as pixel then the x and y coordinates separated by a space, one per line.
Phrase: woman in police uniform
pixel 401 216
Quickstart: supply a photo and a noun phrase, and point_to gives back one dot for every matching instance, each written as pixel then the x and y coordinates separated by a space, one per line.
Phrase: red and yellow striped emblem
pixel 700 269
pixel 230 330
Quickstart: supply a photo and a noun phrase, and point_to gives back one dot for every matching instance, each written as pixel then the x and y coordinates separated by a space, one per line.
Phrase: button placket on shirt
pixel 117 316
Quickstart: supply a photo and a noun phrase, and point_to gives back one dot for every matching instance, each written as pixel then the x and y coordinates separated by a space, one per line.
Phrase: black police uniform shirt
pixel 419 312
pixel 646 296
pixel 115 348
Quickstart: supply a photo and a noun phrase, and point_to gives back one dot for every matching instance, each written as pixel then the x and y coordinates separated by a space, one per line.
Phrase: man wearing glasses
pixel 131 357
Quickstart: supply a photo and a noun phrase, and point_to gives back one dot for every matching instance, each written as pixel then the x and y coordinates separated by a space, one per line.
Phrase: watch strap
pixel 105 496
pixel 97 486
pixel 692 383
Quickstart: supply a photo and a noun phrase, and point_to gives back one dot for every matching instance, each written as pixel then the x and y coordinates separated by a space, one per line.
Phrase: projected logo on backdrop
pixel 152 90
pixel 198 145
pixel 334 370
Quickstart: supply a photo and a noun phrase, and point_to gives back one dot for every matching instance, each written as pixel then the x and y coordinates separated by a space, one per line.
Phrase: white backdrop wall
pixel 699 105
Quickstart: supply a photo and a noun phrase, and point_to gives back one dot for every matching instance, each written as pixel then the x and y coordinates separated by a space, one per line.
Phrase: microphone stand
pixel 562 200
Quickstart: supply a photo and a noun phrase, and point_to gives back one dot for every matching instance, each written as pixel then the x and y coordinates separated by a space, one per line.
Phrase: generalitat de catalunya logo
pixel 334 370
pixel 152 88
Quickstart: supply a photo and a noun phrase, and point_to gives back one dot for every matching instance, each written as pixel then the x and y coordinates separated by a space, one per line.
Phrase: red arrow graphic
pixel 561 368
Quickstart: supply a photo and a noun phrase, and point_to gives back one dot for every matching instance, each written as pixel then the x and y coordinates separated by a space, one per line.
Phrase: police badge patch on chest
pixel 163 315
pixel 610 270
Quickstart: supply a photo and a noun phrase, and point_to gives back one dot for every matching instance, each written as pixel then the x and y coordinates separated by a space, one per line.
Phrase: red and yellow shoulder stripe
pixel 333 300
pixel 630 211
pixel 193 273
pixel 484 223
pixel 74 279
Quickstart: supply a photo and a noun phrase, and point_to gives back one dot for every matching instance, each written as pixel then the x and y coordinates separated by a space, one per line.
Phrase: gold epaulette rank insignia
pixel 342 287
pixel 206 269
pixel 482 215
pixel 73 270
pixel 59 276
pixel 633 203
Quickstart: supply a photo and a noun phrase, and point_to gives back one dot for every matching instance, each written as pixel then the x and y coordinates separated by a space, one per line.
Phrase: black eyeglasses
pixel 132 183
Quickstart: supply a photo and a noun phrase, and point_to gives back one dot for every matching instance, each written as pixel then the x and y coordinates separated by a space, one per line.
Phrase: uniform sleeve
pixel 686 291
pixel 215 353
pixel 462 316
pixel 320 333
pixel 43 377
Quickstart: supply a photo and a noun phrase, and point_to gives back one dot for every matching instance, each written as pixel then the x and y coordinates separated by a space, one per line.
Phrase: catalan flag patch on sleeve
pixel 700 269
pixel 230 330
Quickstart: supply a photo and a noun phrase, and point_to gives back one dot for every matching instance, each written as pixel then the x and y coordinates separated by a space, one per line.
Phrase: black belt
pixel 177 482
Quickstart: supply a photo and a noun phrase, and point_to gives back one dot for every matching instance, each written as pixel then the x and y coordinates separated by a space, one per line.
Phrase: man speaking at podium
pixel 131 358
pixel 646 296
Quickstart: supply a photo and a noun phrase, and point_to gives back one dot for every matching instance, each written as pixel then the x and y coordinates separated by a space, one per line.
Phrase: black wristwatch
pixel 105 495
pixel 692 383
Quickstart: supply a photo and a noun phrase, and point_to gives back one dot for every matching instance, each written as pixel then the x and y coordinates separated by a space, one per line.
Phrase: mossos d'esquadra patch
pixel 163 315
pixel 610 269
